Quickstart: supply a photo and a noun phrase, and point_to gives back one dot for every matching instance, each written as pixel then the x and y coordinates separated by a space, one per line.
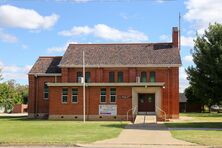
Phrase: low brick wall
pixel 20 108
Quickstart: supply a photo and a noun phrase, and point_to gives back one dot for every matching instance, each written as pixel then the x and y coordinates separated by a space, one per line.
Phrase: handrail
pixel 162 111
pixel 133 109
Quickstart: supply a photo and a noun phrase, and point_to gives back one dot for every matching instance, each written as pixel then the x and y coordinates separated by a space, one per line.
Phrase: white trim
pixel 75 95
pixel 64 95
pixel 103 95
pixel 113 65
pixel 112 95
pixel 160 84
pixel 45 74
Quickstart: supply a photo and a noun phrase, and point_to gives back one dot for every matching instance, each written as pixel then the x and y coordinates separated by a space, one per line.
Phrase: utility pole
pixel 84 88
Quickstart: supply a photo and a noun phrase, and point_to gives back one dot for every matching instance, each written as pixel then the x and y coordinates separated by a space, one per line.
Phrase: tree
pixel 192 98
pixel 7 97
pixel 1 78
pixel 205 77
pixel 12 93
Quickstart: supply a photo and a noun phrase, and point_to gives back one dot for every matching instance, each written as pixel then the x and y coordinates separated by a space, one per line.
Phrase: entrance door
pixel 146 102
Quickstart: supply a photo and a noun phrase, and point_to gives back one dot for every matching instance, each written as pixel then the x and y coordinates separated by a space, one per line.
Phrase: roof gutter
pixel 103 65
pixel 155 84
pixel 45 74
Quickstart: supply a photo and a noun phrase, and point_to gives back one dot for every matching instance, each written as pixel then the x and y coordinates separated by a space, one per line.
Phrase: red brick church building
pixel 120 79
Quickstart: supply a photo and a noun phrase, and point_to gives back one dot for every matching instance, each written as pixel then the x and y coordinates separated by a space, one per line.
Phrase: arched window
pixel 111 76
pixel 143 76
pixel 152 76
pixel 120 76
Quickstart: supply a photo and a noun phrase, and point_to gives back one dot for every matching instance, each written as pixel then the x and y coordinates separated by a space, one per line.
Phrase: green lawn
pixel 20 130
pixel 199 120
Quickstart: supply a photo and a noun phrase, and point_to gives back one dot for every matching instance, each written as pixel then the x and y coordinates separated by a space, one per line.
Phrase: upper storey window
pixel 120 76
pixel 79 75
pixel 87 79
pixel 111 76
pixel 143 76
pixel 152 76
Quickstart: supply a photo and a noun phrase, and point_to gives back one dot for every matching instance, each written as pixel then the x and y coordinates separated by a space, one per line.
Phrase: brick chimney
pixel 175 37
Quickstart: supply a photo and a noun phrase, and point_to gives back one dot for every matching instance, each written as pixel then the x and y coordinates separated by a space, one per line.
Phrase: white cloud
pixel 184 83
pixel 75 1
pixel 108 33
pixel 5 37
pixel 77 30
pixel 188 58
pixel 165 37
pixel 203 12
pixel 60 48
pixel 81 1
pixel 11 16
pixel 14 71
pixel 187 41
pixel 24 46
pixel 160 1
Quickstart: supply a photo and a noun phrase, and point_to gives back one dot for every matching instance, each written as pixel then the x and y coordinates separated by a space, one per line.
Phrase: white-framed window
pixel 65 95
pixel 112 95
pixel 46 91
pixel 103 95
pixel 74 95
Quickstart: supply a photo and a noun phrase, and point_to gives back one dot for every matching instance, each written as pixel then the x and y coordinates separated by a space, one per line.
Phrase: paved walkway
pixel 143 135
pixel 196 128
pixel 13 114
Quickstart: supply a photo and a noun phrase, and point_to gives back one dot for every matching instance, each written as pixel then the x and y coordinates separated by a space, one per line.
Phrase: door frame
pixel 146 112
pixel 158 97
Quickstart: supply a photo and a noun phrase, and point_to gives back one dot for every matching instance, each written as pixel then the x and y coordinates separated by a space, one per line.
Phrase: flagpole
pixel 84 89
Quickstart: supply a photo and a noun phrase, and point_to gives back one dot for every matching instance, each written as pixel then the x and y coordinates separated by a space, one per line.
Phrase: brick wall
pixel 170 95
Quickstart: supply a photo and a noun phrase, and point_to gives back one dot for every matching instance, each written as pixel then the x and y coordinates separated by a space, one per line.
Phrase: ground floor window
pixel 112 95
pixel 74 95
pixel 46 91
pixel 64 95
pixel 103 95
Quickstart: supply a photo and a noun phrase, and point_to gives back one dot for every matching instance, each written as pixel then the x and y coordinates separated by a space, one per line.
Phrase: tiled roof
pixel 46 65
pixel 121 54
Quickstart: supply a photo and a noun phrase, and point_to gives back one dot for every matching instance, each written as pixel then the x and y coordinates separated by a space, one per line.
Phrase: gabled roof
pixel 130 55
pixel 46 65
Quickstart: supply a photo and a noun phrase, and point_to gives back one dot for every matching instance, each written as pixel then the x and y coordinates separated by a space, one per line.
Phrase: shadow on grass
pixel 195 125
pixel 214 114
pixel 19 118
pixel 122 125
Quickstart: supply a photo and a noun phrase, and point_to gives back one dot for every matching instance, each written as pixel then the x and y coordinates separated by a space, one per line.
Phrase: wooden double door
pixel 146 102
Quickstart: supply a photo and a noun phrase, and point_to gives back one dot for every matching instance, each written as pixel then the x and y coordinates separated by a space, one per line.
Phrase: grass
pixel 210 138
pixel 21 130
pixel 199 120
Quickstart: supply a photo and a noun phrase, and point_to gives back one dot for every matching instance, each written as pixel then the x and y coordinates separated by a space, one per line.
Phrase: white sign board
pixel 108 110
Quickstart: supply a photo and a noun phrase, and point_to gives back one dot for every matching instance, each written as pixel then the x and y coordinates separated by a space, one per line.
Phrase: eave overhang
pixel 109 66
pixel 150 84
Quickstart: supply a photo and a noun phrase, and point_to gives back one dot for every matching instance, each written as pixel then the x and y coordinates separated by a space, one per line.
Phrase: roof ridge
pixel 89 44
pixel 50 56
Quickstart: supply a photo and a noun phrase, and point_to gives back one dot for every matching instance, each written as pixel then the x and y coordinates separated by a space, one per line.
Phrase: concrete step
pixel 143 119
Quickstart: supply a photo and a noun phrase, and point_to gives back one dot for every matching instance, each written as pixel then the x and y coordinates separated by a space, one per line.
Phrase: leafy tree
pixel 192 98
pixel 205 77
pixel 1 78
pixel 12 93
pixel 7 97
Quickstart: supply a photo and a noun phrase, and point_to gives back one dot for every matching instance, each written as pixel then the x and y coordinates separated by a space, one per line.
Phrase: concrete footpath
pixel 143 135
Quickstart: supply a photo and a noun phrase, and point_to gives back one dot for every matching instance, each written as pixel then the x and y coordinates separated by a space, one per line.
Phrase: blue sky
pixel 29 29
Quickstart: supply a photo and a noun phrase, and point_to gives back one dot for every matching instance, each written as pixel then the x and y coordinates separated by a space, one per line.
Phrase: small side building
pixel 185 106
